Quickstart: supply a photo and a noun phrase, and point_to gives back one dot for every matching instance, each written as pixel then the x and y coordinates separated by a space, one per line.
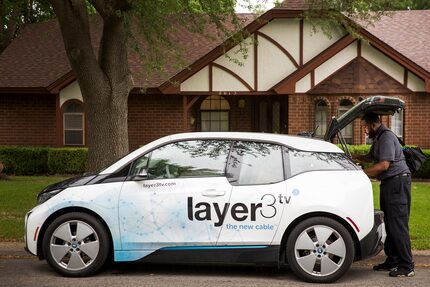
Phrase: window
pixel 255 163
pixel 200 158
pixel 397 123
pixel 73 123
pixel 302 161
pixel 347 132
pixel 215 114
pixel 321 111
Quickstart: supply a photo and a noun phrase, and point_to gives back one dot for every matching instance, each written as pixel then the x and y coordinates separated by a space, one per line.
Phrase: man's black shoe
pixel 402 272
pixel 384 267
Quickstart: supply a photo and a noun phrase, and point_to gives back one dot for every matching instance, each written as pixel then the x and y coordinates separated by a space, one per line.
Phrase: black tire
pixel 86 255
pixel 332 259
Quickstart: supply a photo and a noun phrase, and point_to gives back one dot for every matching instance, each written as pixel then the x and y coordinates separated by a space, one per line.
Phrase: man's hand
pixel 378 168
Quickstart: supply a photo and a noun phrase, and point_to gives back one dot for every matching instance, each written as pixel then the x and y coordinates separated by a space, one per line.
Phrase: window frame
pixel 82 114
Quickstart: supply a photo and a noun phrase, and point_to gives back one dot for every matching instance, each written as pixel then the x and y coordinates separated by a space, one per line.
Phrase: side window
pixel 255 163
pixel 200 158
pixel 302 161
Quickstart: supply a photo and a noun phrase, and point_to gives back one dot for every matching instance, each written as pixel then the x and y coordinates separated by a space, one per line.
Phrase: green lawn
pixel 18 196
pixel 419 222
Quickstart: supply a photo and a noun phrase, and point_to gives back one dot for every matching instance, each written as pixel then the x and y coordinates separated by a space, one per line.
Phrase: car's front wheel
pixel 76 244
pixel 320 250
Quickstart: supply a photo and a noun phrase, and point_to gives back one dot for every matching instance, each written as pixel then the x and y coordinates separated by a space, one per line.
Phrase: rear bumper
pixel 373 242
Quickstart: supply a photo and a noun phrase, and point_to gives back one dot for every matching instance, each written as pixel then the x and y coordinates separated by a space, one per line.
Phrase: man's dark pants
pixel 395 201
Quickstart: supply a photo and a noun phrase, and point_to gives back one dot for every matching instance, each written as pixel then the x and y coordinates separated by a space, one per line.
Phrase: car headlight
pixel 45 195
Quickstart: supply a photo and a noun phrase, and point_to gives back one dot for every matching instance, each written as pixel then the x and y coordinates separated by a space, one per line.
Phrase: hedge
pixel 67 160
pixel 42 160
pixel 423 172
pixel 24 160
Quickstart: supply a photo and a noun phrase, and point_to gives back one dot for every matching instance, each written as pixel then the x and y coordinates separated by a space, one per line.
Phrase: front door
pixel 270 114
pixel 179 202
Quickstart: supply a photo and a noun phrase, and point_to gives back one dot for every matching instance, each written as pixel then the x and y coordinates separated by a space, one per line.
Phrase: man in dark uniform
pixel 395 195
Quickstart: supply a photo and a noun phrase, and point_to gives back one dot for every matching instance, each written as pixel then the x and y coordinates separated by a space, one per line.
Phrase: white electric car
pixel 213 198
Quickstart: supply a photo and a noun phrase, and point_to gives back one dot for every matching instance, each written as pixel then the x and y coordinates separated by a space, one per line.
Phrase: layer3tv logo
pixel 239 211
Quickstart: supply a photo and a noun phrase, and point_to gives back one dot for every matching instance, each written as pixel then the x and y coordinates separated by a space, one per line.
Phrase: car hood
pixel 378 104
pixel 74 181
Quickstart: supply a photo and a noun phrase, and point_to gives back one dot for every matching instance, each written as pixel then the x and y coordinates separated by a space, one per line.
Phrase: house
pixel 292 80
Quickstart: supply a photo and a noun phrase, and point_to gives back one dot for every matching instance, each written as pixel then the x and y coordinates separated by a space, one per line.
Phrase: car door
pixel 173 194
pixel 258 196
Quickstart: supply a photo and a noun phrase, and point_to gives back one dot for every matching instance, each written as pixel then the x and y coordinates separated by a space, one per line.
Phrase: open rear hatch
pixel 378 104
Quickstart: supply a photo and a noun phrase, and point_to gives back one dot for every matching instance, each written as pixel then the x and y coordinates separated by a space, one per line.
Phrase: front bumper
pixel 373 242
pixel 34 220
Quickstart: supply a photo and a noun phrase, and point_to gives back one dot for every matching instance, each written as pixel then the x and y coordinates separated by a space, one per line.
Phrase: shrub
pixel 424 171
pixel 24 160
pixel 67 160
pixel 42 160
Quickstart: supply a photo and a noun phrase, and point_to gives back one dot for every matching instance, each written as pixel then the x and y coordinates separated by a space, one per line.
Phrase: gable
pixel 274 51
pixel 359 77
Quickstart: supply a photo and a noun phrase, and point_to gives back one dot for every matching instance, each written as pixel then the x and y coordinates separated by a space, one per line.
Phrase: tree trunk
pixel 107 126
pixel 105 82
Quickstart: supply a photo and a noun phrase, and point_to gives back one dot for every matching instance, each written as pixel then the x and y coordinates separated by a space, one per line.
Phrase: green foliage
pixel 159 21
pixel 14 14
pixel 424 171
pixel 324 14
pixel 40 160
pixel 414 5
pixel 67 160
pixel 359 149
pixel 24 160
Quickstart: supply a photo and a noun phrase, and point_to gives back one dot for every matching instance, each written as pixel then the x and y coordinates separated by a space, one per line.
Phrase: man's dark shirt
pixel 386 147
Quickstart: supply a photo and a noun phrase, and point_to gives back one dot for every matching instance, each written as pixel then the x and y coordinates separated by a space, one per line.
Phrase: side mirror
pixel 142 175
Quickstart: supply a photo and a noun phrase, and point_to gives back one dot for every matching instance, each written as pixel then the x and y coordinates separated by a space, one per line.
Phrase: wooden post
pixel 186 106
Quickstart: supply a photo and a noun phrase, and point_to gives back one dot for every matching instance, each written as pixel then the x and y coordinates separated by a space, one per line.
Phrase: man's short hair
pixel 371 118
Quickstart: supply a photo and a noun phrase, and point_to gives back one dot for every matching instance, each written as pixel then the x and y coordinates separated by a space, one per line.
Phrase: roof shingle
pixel 36 58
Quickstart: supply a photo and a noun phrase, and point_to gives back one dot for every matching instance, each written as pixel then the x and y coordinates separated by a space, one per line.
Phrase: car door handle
pixel 213 192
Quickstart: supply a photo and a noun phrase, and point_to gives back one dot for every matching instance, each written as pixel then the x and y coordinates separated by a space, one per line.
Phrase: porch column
pixel 186 106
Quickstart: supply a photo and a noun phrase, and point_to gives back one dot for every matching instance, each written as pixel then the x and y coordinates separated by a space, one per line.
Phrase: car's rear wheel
pixel 320 250
pixel 76 244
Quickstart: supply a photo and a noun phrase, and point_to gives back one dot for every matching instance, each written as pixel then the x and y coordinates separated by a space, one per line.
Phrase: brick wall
pixel 417 120
pixel 30 119
pixel 153 116
pixel 27 120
